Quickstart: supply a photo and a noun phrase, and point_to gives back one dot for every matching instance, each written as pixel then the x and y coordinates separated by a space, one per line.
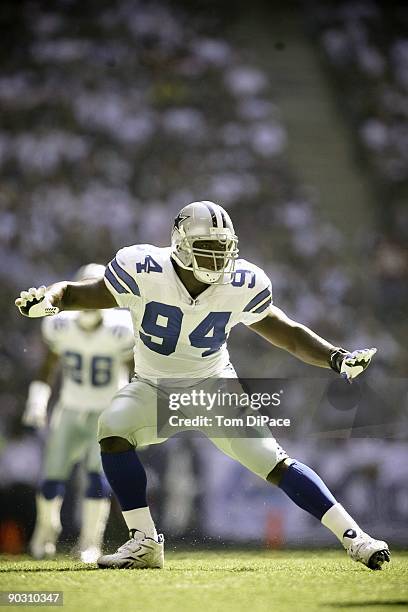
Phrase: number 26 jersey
pixel 93 362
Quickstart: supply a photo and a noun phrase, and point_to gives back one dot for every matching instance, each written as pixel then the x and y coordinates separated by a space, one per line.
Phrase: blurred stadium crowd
pixel 366 48
pixel 114 115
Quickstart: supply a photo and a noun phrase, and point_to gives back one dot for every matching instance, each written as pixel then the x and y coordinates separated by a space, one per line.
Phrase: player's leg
pixel 310 493
pixel 127 477
pixel 130 422
pixel 264 456
pixel 61 452
pixel 96 503
pixel 48 524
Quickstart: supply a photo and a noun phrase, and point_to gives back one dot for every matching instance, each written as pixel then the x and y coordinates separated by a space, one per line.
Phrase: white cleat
pixel 140 552
pixel 90 555
pixel 363 548
pixel 43 543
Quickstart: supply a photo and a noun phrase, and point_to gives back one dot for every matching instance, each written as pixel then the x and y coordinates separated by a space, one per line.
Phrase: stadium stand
pixel 111 120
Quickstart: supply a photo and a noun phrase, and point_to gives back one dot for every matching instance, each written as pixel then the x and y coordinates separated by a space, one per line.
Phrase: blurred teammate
pixel 94 348
pixel 184 301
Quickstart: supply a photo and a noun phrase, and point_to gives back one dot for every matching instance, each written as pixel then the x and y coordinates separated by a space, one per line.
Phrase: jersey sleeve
pixel 123 331
pixel 52 329
pixel 120 278
pixel 257 300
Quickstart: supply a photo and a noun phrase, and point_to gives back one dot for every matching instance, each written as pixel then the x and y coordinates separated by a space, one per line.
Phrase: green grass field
pixel 221 581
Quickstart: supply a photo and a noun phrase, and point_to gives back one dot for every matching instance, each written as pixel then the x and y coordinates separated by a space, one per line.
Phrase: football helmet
pixel 89 319
pixel 203 241
pixel 89 271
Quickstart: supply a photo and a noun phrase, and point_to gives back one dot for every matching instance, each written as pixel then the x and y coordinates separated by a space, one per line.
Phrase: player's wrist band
pixel 336 358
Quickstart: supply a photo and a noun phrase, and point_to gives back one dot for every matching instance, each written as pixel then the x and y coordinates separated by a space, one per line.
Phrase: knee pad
pixel 260 455
pixel 98 486
pixel 112 423
pixel 52 488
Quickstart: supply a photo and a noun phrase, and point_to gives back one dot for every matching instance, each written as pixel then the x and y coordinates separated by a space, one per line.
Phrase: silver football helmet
pixel 89 271
pixel 203 241
pixel 89 319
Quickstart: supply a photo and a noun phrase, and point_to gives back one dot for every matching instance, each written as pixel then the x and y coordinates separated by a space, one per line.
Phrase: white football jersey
pixel 93 367
pixel 176 336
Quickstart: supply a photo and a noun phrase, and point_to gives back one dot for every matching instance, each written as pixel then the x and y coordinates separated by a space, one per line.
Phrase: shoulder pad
pixel 257 286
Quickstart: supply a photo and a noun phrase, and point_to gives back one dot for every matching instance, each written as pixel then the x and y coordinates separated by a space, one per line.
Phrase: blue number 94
pixel 161 327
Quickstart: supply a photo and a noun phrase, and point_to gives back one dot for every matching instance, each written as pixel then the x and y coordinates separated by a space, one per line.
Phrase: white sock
pixel 95 514
pixel 47 524
pixel 140 518
pixel 48 512
pixel 338 521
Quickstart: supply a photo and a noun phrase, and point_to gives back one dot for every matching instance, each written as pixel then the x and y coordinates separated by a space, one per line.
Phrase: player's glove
pixel 35 303
pixel 35 413
pixel 349 365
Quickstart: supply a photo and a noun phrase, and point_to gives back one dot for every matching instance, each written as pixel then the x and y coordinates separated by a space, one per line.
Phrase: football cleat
pixel 363 548
pixel 43 543
pixel 139 552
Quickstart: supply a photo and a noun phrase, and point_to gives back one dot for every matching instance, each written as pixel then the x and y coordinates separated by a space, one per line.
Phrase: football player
pixel 95 349
pixel 184 300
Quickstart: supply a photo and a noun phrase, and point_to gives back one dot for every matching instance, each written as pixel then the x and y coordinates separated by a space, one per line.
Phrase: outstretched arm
pixel 84 295
pixel 294 337
pixel 306 345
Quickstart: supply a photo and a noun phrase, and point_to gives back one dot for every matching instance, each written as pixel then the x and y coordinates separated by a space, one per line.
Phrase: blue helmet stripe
pixel 213 215
pixel 125 277
pixel 114 282
pixel 224 221
pixel 262 295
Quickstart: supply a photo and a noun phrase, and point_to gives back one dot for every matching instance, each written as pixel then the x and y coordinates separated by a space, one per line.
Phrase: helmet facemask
pixel 209 265
pixel 203 241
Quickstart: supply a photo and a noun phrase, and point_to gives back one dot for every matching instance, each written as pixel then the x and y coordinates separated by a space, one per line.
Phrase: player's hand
pixel 34 417
pixel 351 365
pixel 36 302
pixel 35 413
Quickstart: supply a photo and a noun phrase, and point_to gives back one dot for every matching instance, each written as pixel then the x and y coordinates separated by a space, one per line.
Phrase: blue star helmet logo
pixel 179 219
